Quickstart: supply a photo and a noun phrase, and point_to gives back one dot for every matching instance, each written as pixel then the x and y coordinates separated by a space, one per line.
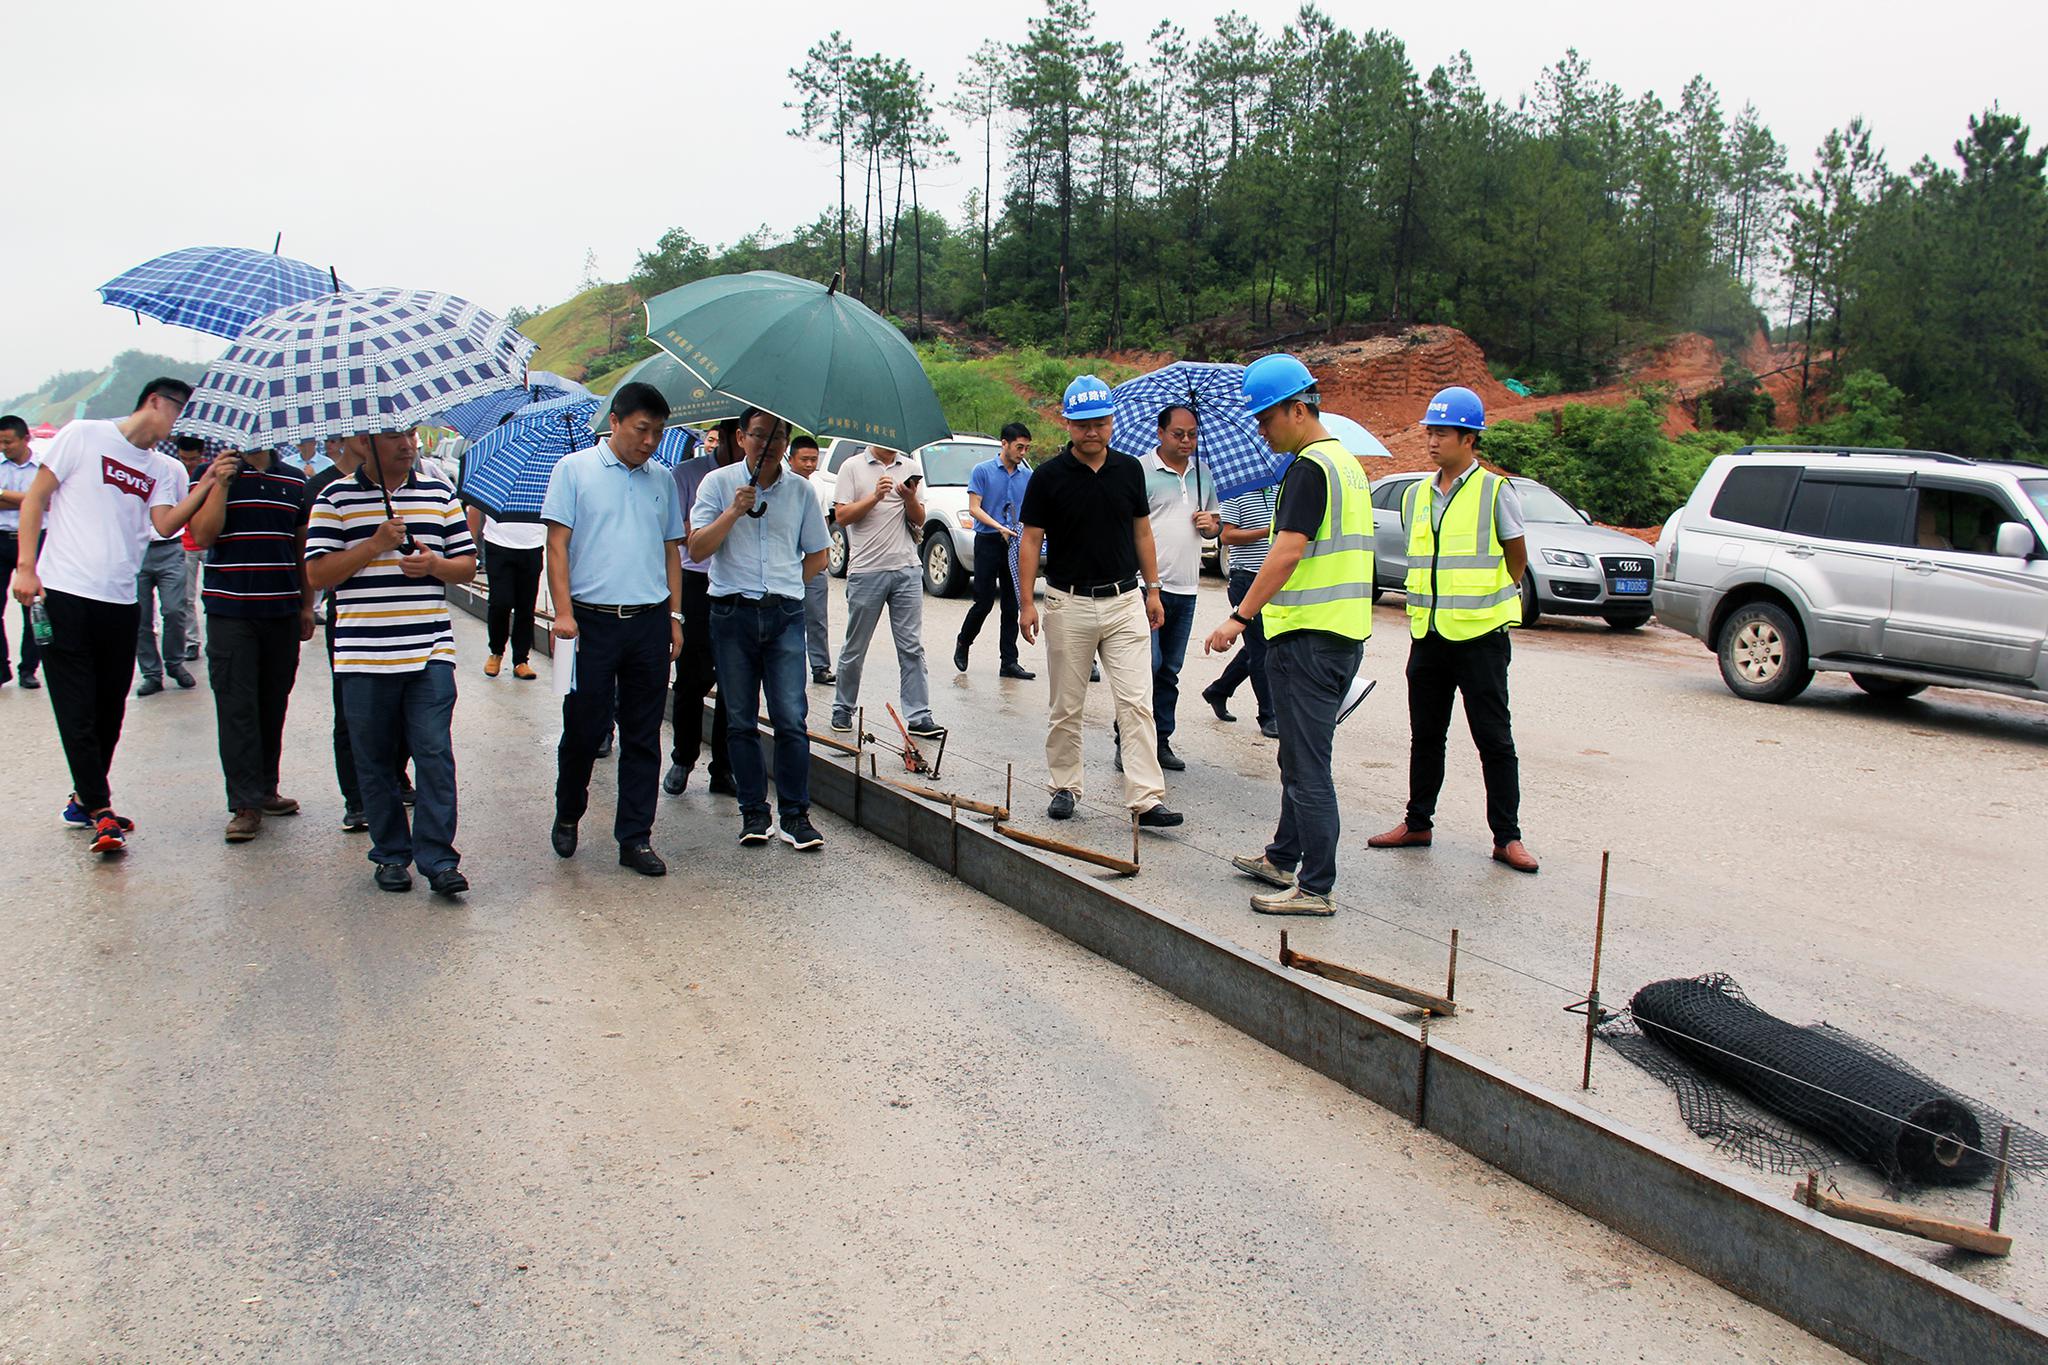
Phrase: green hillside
pixel 108 392
pixel 583 335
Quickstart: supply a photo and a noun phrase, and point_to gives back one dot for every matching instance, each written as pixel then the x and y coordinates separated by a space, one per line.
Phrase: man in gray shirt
pixel 877 502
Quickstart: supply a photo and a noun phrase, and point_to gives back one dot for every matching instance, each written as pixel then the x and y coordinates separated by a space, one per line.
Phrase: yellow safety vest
pixel 1458 580
pixel 1331 587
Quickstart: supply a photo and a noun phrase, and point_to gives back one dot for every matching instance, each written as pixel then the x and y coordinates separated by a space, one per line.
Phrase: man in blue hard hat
pixel 1101 597
pixel 1466 556
pixel 1313 596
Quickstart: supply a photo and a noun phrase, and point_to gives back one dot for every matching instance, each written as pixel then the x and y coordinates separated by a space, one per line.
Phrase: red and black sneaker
pixel 110 833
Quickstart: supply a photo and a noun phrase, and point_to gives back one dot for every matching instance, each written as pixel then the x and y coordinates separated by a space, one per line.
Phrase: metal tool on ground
pixel 1883 1213
pixel 1365 981
pixel 913 756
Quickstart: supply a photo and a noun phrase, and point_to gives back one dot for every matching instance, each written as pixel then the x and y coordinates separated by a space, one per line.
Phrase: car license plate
pixel 1637 586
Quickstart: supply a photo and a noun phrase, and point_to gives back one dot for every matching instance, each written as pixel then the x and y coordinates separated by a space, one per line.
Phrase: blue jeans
pixel 386 712
pixel 1309 671
pixel 1169 652
pixel 759 647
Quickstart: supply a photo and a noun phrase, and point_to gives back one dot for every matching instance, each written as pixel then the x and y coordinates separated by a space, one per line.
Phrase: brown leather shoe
pixel 1400 836
pixel 524 672
pixel 492 664
pixel 243 827
pixel 1516 855
pixel 280 805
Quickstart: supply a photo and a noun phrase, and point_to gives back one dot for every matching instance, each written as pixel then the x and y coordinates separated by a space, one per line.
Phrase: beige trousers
pixel 1076 629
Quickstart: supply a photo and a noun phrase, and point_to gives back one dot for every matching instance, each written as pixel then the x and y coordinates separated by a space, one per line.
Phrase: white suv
pixel 1903 568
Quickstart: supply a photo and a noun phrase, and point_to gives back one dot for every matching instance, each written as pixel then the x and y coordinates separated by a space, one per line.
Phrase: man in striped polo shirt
pixel 1248 534
pixel 388 542
pixel 258 611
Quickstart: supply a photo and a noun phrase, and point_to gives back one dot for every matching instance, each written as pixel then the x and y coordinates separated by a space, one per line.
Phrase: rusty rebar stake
pixel 953 807
pixel 860 742
pixel 1134 838
pixel 1451 979
pixel 1593 995
pixel 1422 1073
pixel 1009 786
pixel 1998 1181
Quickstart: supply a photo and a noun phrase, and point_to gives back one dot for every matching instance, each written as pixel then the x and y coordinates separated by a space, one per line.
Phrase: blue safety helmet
pixel 1087 397
pixel 1456 406
pixel 1274 379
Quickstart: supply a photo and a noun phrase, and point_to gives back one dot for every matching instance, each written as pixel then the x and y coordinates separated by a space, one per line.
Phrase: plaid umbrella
pixel 507 472
pixel 1237 457
pixel 353 364
pixel 476 417
pixel 217 289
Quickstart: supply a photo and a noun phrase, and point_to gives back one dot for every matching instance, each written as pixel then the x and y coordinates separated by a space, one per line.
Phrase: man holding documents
pixel 1313 596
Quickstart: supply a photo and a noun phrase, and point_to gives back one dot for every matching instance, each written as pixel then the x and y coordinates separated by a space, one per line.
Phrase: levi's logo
pixel 128 480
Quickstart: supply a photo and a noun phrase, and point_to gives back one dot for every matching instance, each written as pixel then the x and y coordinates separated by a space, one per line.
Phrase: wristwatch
pixel 1153 587
pixel 1239 619
pixel 676 616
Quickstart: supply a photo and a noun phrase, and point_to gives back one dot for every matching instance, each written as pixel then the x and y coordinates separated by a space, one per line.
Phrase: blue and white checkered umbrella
pixel 220 290
pixel 1229 446
pixel 507 472
pixel 354 364
pixel 476 418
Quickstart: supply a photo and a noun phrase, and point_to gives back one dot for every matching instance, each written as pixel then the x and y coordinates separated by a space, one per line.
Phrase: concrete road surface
pixel 772 1107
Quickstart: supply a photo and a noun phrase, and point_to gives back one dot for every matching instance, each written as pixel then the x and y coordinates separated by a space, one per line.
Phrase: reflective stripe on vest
pixel 1457 579
pixel 1331 587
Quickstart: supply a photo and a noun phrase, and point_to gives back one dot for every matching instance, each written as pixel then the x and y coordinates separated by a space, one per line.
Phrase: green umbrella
pixel 690 400
pixel 803 351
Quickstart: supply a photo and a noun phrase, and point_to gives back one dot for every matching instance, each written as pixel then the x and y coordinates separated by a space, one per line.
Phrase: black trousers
pixel 251 665
pixel 31 656
pixel 695 674
pixel 513 577
pixel 1477 669
pixel 1249 662
pixel 992 584
pixel 344 746
pixel 88 665
pixel 627 658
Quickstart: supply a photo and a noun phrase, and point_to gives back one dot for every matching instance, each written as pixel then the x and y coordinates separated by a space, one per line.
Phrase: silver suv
pixel 1903 568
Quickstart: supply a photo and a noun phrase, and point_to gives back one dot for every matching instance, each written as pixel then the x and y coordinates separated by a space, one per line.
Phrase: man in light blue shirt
pixel 995 502
pixel 615 525
pixel 760 531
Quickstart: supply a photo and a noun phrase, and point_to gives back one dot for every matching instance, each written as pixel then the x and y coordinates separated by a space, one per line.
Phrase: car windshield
pixel 2037 493
pixel 948 463
pixel 1539 504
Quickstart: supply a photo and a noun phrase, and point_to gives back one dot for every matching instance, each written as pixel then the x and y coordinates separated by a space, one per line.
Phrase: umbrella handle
pixel 377 468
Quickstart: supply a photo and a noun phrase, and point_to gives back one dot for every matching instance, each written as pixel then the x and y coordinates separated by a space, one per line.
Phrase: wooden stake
pixel 1998 1181
pixel 1086 855
pixel 860 740
pixel 1009 788
pixel 1364 981
pixel 1878 1213
pixel 1593 995
pixel 967 803
pixel 954 806
pixel 1451 982
pixel 1134 838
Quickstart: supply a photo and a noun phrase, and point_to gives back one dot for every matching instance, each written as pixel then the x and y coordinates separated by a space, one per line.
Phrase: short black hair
pixel 1016 431
pixel 803 443
pixel 191 443
pixel 1166 414
pixel 14 424
pixel 635 398
pixel 167 387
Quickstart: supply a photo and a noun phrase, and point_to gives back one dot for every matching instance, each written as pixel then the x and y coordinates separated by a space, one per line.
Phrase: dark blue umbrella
pixel 479 416
pixel 507 472
pixel 219 290
pixel 1230 446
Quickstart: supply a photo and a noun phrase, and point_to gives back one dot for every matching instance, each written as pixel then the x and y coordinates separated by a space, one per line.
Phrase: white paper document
pixel 565 666
pixel 1361 688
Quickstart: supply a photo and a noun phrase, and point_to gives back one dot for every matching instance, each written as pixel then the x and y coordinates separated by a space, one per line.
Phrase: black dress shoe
pixel 1062 807
pixel 721 784
pixel 675 779
pixel 30 680
pixel 643 860
pixel 960 656
pixel 1270 728
pixel 563 837
pixel 1017 671
pixel 1170 760
pixel 448 882
pixel 1160 817
pixel 604 747
pixel 393 877
pixel 822 676
pixel 1219 704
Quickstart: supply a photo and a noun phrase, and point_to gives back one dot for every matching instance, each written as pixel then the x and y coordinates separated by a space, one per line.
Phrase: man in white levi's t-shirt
pixel 103 488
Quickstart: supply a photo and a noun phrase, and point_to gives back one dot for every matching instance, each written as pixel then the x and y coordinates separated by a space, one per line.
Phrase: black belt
pixel 741 599
pixel 1116 589
pixel 609 609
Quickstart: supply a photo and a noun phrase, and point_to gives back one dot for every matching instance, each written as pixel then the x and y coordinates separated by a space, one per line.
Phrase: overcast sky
pixel 484 148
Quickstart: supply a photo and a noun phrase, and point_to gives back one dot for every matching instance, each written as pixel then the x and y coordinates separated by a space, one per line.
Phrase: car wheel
pixel 1531 613
pixel 942 576
pixel 1763 654
pixel 1620 622
pixel 1887 689
pixel 836 553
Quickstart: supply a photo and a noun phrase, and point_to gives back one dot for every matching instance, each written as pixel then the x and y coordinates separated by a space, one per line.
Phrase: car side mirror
pixel 2015 540
pixel 1584 515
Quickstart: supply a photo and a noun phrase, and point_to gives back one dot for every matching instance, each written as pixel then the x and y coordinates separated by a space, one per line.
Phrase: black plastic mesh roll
pixel 1874 1108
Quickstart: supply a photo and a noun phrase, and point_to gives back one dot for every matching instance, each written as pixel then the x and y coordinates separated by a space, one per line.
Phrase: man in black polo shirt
pixel 1089 503
pixel 258 611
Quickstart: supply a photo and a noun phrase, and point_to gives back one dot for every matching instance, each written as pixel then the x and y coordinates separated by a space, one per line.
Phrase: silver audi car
pixel 1575 567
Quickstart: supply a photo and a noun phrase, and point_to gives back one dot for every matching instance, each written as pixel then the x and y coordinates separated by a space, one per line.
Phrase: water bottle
pixel 39 622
